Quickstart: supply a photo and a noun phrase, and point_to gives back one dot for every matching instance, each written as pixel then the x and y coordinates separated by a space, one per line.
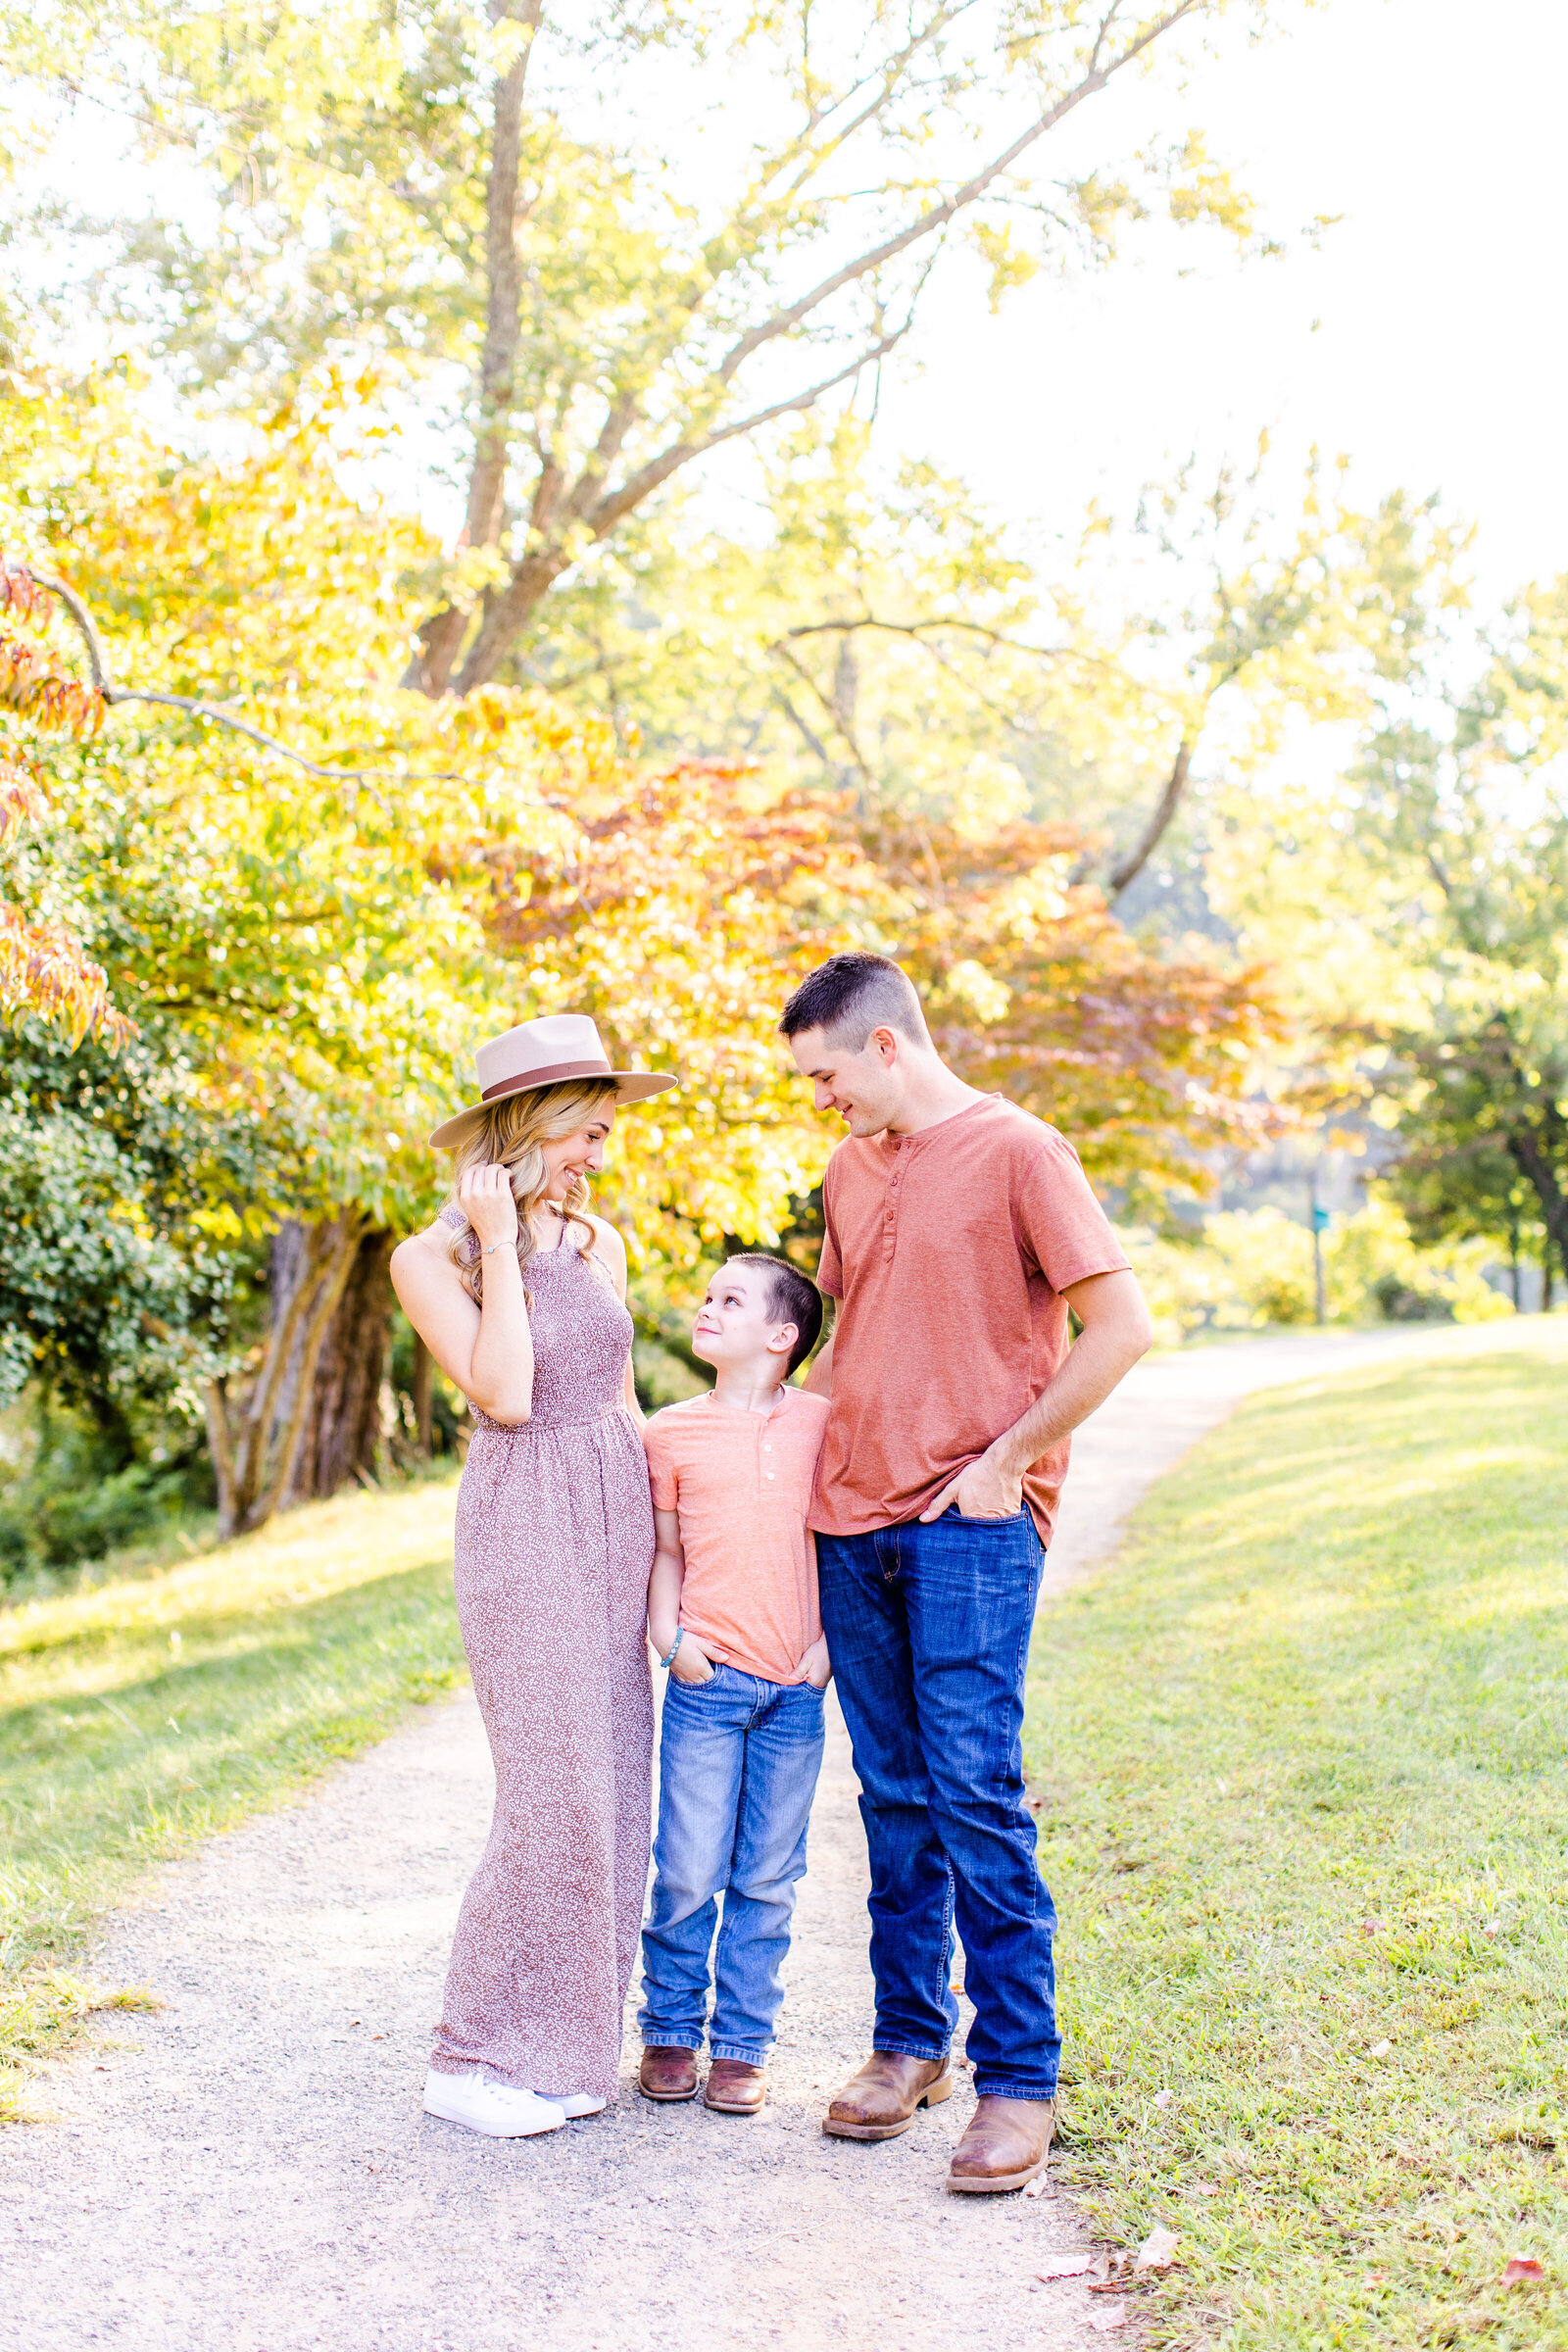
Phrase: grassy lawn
pixel 1302 1754
pixel 148 1713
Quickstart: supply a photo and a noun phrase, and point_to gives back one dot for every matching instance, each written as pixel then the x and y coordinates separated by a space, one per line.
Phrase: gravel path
pixel 249 2168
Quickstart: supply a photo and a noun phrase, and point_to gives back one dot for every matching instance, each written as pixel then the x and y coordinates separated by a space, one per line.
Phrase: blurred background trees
pixel 416 664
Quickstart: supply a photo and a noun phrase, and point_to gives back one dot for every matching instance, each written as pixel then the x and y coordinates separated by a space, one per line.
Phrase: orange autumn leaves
pixel 41 969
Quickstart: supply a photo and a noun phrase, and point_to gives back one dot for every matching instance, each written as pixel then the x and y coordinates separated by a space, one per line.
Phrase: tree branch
pixel 1132 865
pixel 921 628
pixel 937 217
pixel 115 694
pixel 505 614
pixel 609 511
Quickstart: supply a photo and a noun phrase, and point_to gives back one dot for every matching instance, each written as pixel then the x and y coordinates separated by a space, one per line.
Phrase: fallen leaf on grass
pixel 1163 2098
pixel 1522 2267
pixel 1371 1927
pixel 1071 2266
pixel 1491 1928
pixel 1380 2049
pixel 1114 2316
pixel 1038 2186
pixel 1157 2251
pixel 1203 2188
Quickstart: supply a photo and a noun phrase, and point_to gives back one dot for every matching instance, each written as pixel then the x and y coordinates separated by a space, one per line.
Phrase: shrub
pixel 1251 1271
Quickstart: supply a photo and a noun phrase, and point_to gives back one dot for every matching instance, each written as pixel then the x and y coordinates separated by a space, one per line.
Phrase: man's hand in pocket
pixel 984 1491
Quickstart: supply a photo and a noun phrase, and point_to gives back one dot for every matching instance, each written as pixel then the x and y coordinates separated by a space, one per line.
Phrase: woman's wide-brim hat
pixel 547 1052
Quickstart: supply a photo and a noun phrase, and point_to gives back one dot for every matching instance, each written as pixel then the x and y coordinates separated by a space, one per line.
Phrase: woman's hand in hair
pixel 485 1197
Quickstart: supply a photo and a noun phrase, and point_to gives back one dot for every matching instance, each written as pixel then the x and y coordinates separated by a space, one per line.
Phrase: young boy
pixel 732 1613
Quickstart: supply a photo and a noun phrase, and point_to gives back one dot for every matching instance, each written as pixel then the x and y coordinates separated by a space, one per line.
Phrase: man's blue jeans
pixel 738 1760
pixel 928 1628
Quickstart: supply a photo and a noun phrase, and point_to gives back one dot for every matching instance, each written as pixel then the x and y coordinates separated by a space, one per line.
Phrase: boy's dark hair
pixel 793 1298
pixel 849 996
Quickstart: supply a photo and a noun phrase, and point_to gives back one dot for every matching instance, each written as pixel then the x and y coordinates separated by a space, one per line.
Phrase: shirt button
pixel 768 1473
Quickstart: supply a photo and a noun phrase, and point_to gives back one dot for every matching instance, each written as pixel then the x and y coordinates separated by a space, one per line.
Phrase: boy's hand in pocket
pixel 817 1667
pixel 691 1662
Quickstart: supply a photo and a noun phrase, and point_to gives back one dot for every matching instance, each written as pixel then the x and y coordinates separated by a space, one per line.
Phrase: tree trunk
pixel 255 1448
pixel 341 1430
pixel 1534 1152
pixel 442 635
pixel 342 1412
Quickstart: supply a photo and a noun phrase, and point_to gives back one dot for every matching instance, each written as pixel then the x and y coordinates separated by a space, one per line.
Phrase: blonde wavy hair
pixel 512 1132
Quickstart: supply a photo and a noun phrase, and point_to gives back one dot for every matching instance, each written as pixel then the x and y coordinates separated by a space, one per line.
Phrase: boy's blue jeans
pixel 738 1760
pixel 928 1628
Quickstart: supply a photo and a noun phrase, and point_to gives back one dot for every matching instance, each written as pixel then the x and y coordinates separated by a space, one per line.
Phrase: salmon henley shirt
pixel 947 1251
pixel 740 1484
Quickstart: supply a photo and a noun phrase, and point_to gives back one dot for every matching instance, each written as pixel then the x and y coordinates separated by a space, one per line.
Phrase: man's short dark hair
pixel 849 996
pixel 792 1298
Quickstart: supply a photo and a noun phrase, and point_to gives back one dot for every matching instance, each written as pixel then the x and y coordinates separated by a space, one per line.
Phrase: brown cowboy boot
pixel 880 2101
pixel 667 2074
pixel 1006 2144
pixel 736 2087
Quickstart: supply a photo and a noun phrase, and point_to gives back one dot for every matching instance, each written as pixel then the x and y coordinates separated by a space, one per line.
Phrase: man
pixel 958 1231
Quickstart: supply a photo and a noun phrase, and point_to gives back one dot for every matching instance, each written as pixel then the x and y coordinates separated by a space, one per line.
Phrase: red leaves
pixel 21 800
pixel 1521 2269
pixel 43 971
pixel 21 593
pixel 62 705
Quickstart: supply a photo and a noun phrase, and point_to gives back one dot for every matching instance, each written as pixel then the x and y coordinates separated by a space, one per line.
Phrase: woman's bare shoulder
pixel 434 1243
pixel 606 1236
pixel 609 1249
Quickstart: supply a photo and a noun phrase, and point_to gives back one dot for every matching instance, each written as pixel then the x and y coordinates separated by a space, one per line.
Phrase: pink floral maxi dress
pixel 554 1542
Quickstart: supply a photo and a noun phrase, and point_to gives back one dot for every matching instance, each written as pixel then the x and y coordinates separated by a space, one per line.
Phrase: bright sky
pixel 1434 126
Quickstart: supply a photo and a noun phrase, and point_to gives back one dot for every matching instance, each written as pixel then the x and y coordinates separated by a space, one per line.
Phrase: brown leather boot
pixel 735 2088
pixel 880 2101
pixel 667 2074
pixel 1006 2144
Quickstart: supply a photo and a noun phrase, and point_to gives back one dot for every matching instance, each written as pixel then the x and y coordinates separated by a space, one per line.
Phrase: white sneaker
pixel 493 2108
pixel 576 2103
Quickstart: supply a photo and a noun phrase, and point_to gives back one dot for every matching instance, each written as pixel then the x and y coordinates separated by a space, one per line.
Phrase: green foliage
pixel 1300 1750
pixel 112 1172
pixel 1252 1268
pixel 71 1506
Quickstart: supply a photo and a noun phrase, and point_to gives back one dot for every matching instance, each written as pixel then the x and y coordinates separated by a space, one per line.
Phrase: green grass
pixel 1301 1748
pixel 148 1713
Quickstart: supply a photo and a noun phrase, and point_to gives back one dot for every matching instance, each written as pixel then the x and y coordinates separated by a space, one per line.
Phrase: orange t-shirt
pixel 949 1252
pixel 741 1484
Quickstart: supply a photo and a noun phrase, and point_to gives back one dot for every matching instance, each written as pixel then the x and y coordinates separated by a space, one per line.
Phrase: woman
pixel 519 1293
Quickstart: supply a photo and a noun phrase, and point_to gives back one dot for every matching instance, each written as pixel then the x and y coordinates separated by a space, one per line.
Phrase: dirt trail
pixel 250 2169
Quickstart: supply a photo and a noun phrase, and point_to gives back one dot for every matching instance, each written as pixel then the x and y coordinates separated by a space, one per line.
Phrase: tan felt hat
pixel 545 1053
